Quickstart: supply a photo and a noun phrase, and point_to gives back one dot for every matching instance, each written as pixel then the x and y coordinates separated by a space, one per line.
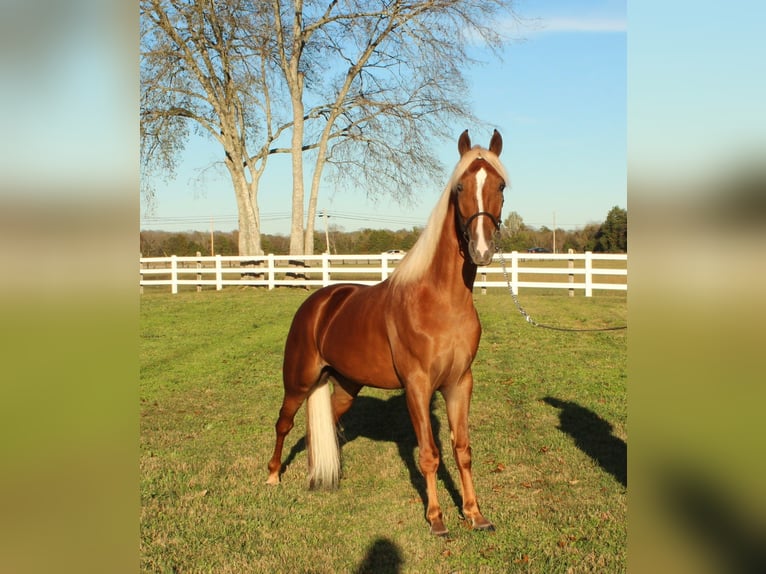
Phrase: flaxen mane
pixel 415 263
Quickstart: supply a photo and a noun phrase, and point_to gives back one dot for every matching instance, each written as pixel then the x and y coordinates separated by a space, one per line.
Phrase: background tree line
pixel 610 236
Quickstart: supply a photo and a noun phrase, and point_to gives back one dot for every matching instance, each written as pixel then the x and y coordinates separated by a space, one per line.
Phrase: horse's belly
pixel 363 357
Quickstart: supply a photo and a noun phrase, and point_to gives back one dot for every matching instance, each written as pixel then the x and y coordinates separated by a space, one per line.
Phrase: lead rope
pixel 534 323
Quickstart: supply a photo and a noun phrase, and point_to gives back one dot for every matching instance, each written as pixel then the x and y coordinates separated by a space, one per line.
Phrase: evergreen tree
pixel 612 236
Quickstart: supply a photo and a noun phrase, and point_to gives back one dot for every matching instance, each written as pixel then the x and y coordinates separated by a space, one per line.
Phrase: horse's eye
pixel 502 187
pixel 459 187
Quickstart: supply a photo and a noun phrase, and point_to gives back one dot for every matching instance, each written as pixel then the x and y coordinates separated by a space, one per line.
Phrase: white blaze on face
pixel 481 241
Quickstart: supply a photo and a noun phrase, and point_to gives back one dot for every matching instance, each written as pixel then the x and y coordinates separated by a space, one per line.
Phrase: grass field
pixel 548 428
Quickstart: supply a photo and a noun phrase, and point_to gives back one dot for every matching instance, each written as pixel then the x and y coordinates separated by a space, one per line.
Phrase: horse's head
pixel 479 197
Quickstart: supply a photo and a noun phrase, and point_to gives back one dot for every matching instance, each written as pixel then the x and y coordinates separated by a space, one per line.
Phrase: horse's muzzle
pixel 481 258
pixel 478 255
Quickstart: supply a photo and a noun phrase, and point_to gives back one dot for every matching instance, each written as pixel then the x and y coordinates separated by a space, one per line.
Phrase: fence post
pixel 271 270
pixel 140 273
pixel 588 274
pixel 173 274
pixel 571 275
pixel 199 273
pixel 383 266
pixel 515 272
pixel 218 273
pixel 325 269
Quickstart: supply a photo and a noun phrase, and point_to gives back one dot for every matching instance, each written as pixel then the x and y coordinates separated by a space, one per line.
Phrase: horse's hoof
pixel 438 529
pixel 488 527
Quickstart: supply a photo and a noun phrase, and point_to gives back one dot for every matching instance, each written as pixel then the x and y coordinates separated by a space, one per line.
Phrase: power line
pixel 278 216
pixel 270 217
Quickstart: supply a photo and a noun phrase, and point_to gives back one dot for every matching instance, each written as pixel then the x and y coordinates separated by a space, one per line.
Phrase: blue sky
pixel 558 98
pixel 697 100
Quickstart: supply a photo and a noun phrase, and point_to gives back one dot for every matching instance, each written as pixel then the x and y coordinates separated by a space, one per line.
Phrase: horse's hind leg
pixel 343 395
pixel 298 382
pixel 290 405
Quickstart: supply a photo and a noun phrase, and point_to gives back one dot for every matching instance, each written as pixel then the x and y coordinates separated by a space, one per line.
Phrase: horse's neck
pixel 451 272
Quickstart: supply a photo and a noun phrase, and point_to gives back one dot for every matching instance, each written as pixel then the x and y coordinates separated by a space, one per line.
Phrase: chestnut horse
pixel 418 330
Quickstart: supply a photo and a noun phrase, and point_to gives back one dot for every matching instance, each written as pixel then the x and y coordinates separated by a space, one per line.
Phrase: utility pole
pixel 326 232
pixel 212 226
pixel 554 232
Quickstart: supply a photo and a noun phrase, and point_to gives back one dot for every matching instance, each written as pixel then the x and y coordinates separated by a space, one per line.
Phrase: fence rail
pixel 573 271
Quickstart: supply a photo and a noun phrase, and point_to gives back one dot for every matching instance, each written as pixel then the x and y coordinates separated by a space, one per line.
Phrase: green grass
pixel 548 428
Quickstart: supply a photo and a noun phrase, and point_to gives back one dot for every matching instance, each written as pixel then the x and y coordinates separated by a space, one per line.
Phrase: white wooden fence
pixel 573 271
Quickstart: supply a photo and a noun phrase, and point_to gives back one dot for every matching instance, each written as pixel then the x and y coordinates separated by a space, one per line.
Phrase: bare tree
pixel 203 68
pixel 363 86
pixel 389 76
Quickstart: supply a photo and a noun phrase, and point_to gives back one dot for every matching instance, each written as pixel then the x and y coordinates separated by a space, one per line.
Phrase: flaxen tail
pixel 323 449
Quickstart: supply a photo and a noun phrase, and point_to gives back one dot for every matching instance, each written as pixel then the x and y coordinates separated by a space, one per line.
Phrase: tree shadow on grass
pixel 593 435
pixel 383 557
pixel 389 421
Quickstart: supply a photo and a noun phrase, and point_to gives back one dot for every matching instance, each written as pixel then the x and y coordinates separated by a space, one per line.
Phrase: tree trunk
pixel 247 207
pixel 249 231
pixel 314 193
pixel 296 228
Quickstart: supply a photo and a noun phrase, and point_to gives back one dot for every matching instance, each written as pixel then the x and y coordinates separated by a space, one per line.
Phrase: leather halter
pixel 464 224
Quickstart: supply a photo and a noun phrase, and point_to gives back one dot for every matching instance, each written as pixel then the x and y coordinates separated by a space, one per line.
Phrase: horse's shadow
pixel 593 436
pixel 388 420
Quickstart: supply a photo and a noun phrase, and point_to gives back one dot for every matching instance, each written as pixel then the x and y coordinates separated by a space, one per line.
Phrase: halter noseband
pixel 464 224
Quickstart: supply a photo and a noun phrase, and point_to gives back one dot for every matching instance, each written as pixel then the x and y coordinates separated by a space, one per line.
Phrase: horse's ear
pixel 496 143
pixel 463 143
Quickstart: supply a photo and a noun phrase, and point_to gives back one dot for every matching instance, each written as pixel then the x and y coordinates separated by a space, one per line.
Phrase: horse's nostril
pixel 472 250
pixel 480 258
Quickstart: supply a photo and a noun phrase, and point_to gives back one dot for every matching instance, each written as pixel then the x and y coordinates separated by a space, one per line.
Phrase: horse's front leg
pixel 418 404
pixel 458 400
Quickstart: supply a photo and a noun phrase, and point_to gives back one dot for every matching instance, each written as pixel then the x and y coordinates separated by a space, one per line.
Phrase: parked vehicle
pixel 538 250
